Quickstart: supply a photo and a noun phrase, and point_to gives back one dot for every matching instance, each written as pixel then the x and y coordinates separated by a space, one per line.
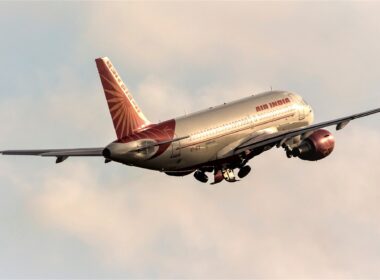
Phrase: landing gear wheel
pixel 244 171
pixel 200 176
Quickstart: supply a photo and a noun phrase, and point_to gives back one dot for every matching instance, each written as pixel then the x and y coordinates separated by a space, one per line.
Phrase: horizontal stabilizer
pixel 79 152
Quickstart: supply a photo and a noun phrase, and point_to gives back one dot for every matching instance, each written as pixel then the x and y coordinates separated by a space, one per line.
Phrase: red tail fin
pixel 126 114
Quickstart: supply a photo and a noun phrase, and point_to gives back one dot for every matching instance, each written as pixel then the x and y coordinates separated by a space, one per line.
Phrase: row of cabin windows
pixel 242 122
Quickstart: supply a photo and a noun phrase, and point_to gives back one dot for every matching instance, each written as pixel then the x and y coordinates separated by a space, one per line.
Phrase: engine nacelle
pixel 317 146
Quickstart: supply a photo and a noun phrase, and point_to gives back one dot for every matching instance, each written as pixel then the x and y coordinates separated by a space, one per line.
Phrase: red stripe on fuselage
pixel 159 132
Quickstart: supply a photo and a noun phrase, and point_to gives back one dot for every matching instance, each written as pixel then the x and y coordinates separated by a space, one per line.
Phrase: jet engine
pixel 315 147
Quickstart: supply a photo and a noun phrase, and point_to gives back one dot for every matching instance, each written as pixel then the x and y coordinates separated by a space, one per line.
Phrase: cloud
pixel 162 100
pixel 169 38
pixel 285 220
pixel 225 44
pixel 72 107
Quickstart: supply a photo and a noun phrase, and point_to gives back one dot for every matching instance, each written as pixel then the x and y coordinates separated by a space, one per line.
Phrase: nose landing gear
pixel 218 176
pixel 229 175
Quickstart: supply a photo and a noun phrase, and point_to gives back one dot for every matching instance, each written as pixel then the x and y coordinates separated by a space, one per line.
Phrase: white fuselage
pixel 215 132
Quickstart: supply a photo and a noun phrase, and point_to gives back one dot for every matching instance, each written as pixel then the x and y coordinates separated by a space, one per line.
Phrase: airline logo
pixel 272 104
pixel 122 86
pixel 126 115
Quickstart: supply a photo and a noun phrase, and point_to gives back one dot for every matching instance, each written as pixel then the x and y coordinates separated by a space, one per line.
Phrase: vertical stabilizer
pixel 126 114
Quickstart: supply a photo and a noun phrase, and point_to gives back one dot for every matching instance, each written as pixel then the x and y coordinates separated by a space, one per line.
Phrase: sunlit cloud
pixel 266 226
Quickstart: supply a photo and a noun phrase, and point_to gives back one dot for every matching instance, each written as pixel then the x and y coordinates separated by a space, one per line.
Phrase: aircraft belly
pixel 207 151
pixel 188 156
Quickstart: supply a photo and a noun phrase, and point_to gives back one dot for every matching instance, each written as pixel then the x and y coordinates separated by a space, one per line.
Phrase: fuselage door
pixel 301 112
pixel 176 149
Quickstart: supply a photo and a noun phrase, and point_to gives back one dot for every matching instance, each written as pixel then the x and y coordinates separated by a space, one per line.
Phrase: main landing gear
pixel 244 171
pixel 201 176
pixel 226 174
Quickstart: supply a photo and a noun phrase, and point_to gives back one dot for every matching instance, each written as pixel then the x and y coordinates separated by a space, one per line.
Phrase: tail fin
pixel 126 114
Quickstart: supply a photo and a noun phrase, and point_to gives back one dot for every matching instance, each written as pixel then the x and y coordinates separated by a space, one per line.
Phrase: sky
pixel 289 218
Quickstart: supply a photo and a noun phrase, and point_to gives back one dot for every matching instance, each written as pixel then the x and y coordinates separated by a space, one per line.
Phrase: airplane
pixel 217 140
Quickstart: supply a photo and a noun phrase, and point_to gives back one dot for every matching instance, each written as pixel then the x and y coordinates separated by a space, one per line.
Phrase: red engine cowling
pixel 317 146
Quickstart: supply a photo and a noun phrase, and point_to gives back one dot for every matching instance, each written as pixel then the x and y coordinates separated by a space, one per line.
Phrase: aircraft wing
pixel 279 138
pixel 61 154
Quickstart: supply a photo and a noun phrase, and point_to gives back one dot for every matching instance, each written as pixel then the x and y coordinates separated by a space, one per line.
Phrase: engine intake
pixel 317 146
